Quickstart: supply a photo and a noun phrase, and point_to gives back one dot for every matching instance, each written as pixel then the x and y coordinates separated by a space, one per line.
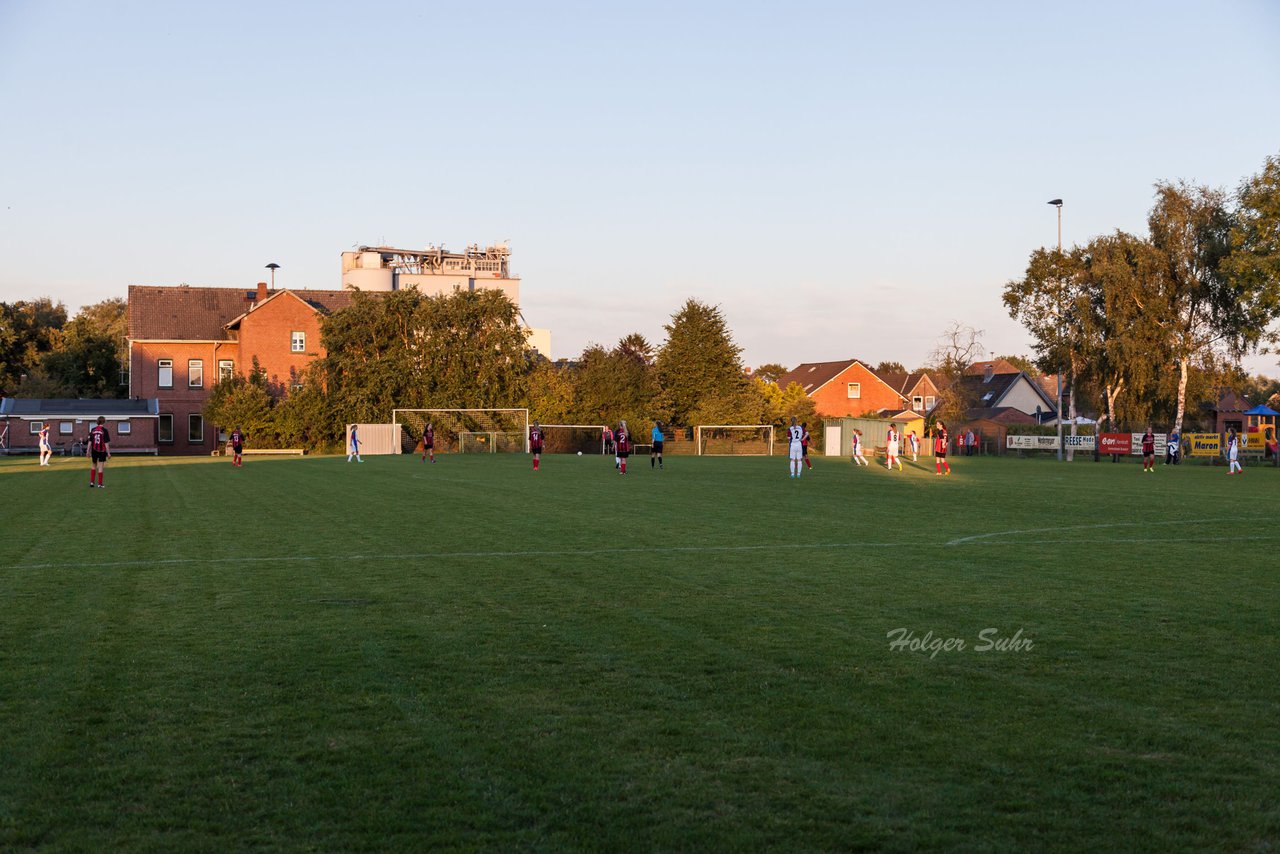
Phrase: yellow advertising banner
pixel 1205 444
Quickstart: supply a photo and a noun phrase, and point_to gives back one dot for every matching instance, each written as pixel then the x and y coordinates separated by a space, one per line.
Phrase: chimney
pixel 262 291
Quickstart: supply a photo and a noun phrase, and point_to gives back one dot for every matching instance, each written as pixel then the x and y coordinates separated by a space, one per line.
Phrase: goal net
pixel 734 440
pixel 464 431
pixel 573 438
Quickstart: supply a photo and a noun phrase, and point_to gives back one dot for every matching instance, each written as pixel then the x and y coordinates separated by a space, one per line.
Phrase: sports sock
pixel 624 466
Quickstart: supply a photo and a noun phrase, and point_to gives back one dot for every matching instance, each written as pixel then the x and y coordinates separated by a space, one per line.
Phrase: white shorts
pixel 797 451
pixel 893 449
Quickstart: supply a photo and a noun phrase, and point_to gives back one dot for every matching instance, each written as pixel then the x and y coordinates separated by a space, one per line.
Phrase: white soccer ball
pixel 579 453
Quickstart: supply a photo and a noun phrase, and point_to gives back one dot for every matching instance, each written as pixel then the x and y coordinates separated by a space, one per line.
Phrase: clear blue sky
pixel 843 179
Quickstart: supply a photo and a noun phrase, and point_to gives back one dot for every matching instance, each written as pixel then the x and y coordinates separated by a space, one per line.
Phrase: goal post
pixel 464 431
pixel 573 438
pixel 734 440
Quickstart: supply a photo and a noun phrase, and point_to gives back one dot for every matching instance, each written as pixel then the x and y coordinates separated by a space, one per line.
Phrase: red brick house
pixel 919 389
pixel 182 340
pixel 844 389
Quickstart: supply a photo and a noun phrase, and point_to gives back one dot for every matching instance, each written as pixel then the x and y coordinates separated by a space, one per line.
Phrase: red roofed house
pixel 182 340
pixel 844 389
pixel 919 389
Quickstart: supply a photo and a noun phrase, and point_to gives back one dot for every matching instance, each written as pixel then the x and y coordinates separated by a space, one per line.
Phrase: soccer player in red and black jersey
pixel 1149 451
pixel 804 444
pixel 99 452
pixel 622 440
pixel 429 443
pixel 237 447
pixel 940 449
pixel 535 443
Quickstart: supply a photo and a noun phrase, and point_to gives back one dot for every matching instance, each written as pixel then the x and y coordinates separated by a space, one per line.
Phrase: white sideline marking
pixel 962 540
pixel 1191 538
pixel 178 561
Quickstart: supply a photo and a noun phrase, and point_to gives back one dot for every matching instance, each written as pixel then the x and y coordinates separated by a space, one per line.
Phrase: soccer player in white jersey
pixel 795 435
pixel 891 448
pixel 858 458
pixel 1233 453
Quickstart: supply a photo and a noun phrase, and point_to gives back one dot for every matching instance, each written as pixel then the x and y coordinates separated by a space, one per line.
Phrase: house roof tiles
pixel 185 313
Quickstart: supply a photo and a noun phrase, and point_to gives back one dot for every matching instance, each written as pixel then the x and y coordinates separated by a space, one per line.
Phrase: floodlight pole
pixel 273 266
pixel 1057 203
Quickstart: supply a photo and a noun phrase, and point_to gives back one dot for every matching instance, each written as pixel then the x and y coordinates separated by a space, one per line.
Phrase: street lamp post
pixel 1057 203
pixel 273 266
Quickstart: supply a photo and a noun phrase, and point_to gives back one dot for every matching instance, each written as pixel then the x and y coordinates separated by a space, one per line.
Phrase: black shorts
pixel 535 449
pixel 237 449
pixel 98 456
pixel 804 450
pixel 624 454
pixel 942 455
pixel 427 446
pixel 657 447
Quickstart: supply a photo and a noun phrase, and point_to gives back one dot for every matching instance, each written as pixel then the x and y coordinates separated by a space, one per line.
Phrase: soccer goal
pixel 464 431
pixel 573 438
pixel 734 440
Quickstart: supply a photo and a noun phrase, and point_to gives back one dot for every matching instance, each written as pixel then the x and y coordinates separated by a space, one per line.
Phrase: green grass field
pixel 311 654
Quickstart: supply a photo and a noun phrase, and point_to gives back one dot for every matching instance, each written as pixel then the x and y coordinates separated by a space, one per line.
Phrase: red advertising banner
pixel 1114 443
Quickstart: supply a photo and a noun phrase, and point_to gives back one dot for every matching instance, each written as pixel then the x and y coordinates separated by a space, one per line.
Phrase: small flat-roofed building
pixel 132 424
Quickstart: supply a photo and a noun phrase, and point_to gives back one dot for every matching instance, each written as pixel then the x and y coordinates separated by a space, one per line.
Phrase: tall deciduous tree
pixel 29 330
pixel 699 366
pixel 1201 312
pixel 1252 267
pixel 1121 347
pixel 783 403
pixel 888 367
pixel 959 347
pixel 551 393
pixel 91 354
pixel 771 372
pixel 463 350
pixel 612 385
